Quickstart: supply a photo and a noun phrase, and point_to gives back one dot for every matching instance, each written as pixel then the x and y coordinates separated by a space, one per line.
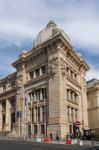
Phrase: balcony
pixel 75 82
pixel 7 91
pixel 35 79
pixel 73 102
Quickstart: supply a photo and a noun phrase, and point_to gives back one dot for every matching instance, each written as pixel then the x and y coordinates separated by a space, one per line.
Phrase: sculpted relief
pixel 53 65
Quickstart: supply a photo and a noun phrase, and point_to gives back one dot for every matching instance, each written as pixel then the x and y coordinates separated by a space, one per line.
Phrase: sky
pixel 21 20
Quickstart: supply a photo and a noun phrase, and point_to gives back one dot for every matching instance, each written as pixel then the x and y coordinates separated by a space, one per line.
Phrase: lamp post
pixel 18 114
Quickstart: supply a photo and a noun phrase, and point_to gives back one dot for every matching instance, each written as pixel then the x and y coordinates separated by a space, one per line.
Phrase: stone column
pixel 34 75
pixel 40 71
pixel 73 96
pixel 1 117
pixel 41 117
pixel 8 115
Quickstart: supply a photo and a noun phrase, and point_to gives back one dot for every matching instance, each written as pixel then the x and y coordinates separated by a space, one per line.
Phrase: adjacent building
pixel 93 105
pixel 47 93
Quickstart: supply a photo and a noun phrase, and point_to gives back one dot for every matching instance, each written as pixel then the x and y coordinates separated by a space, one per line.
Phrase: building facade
pixel 47 93
pixel 93 105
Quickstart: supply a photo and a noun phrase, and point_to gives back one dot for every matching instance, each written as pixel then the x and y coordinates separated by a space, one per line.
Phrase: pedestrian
pixel 57 138
pixel 51 136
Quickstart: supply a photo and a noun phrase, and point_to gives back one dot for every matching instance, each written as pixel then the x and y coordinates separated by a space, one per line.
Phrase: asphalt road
pixel 17 145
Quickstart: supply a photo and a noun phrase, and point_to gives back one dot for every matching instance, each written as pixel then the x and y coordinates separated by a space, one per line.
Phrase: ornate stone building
pixel 93 105
pixel 47 93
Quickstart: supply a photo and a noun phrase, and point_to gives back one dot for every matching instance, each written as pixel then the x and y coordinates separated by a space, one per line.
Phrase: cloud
pixel 92 73
pixel 21 20
pixel 5 67
pixel 85 35
pixel 15 33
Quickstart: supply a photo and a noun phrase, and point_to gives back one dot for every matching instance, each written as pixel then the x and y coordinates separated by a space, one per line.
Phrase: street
pixel 23 145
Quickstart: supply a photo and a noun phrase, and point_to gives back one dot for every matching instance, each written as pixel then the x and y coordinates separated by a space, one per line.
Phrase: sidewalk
pixel 39 140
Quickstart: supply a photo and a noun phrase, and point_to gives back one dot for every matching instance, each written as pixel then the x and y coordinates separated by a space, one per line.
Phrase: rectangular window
pixel 43 114
pixel 13 83
pixel 71 95
pixel 32 115
pixel 38 114
pixel 68 70
pixel 70 129
pixel 37 72
pixel 72 114
pixel 13 103
pixel 36 96
pixel 72 74
pixel 13 117
pixel 76 99
pixel 75 76
pixel 68 113
pixel 19 114
pixel 1 89
pixel 43 69
pixel 35 129
pixel 4 88
pixel 42 129
pixel 4 106
pixel 44 94
pixel 68 94
pixel 31 75
pixel 3 118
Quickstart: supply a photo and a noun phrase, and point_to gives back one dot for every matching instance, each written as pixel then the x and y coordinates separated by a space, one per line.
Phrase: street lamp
pixel 19 112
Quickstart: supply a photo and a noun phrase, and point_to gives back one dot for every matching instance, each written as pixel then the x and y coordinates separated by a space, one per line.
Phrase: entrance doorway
pixel 12 120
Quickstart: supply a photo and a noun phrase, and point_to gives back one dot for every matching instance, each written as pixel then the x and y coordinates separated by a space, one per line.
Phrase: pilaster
pixel 8 115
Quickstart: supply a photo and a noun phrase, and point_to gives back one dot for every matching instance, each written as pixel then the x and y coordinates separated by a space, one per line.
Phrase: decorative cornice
pixel 9 77
pixel 6 93
pixel 35 80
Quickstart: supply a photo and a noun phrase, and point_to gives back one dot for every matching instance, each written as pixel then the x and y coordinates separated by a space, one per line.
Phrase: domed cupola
pixel 51 24
pixel 48 32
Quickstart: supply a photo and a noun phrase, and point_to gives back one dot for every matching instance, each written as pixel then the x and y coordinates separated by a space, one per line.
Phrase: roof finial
pixel 51 24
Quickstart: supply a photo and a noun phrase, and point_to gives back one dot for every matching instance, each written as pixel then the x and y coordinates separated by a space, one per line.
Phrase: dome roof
pixel 48 32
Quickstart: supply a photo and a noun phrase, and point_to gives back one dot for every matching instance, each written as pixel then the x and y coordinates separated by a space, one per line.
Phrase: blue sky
pixel 21 20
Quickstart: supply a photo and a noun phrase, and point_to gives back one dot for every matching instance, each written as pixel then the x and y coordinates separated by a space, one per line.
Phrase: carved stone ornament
pixel 19 80
pixel 63 67
pixel 53 64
